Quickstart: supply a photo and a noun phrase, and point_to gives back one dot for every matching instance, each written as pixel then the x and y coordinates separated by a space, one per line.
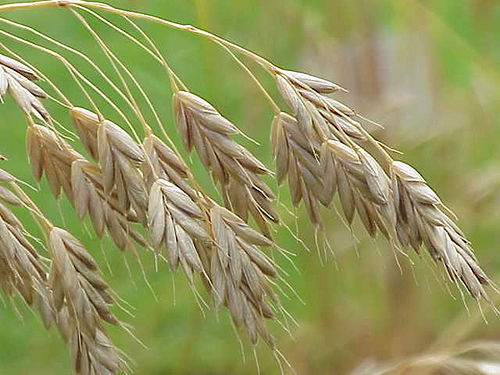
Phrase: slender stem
pixel 171 74
pixel 108 8
pixel 30 5
pixel 276 108
pixel 45 225
pixel 113 61
pixel 67 102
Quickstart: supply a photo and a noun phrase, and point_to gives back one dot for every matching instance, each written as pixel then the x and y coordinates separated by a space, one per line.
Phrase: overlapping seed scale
pixel 289 93
pixel 406 172
pixel 6 177
pixel 167 165
pixel 24 92
pixel 317 84
pixel 176 222
pixel 9 197
pixel 52 156
pixel 120 159
pixel 302 162
pixel 239 272
pixel 76 281
pixel 326 103
pixel 21 268
pixel 91 354
pixel 230 164
pixel 279 146
pixel 415 183
pixel 362 186
pixel 408 226
pixel 8 74
pixel 421 221
pixel 104 210
pixel 19 67
pixel 87 125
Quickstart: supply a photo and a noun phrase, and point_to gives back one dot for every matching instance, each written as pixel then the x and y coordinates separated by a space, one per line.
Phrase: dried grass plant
pixel 477 357
pixel 135 183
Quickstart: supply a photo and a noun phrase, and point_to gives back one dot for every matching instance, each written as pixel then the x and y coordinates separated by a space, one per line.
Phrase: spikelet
pixel 120 159
pixel 90 354
pixel 82 301
pixel 362 187
pixel 240 273
pixel 164 163
pixel 52 156
pixel 298 159
pixel 177 223
pixel 66 170
pixel 202 127
pixel 421 221
pixel 21 267
pixel 17 79
pixel 76 281
pixel 119 156
pixel 103 210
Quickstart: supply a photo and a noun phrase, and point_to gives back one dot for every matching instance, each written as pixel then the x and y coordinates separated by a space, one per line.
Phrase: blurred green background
pixel 428 70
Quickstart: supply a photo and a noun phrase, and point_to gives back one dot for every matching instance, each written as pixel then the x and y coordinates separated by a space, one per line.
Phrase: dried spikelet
pixel 52 156
pixel 91 354
pixel 82 301
pixel 76 281
pixel 478 358
pixel 317 113
pixel 73 293
pixel 316 170
pixel 120 159
pixel 163 162
pixel 302 140
pixel 104 210
pixel 16 78
pixel 240 273
pixel 421 221
pixel 319 85
pixel 82 183
pixel 297 158
pixel 177 223
pixel 362 186
pixel 202 127
pixel 21 269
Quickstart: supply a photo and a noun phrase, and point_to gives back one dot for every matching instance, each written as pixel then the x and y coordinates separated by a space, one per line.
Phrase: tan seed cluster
pixel 240 273
pixel 164 163
pixel 202 127
pixel 82 300
pixel 177 223
pixel 320 150
pixel 68 171
pixel 21 267
pixel 72 294
pixel 422 222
